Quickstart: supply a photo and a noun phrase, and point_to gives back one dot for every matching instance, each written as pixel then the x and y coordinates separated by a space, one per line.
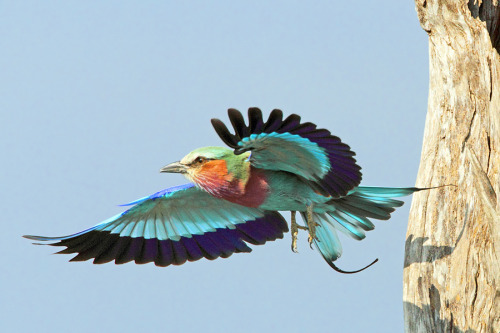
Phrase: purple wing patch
pixel 343 175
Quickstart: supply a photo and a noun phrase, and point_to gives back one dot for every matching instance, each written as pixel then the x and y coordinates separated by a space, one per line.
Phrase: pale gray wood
pixel 452 260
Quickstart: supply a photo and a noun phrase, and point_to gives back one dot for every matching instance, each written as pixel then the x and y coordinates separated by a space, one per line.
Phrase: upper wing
pixel 289 145
pixel 174 225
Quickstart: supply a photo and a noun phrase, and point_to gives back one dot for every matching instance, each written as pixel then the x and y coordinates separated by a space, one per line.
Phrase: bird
pixel 235 196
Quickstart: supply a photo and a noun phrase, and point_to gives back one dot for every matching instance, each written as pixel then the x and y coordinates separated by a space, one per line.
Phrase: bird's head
pixel 212 167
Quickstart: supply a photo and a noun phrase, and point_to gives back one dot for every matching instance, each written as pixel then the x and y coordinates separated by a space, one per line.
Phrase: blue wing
pixel 176 225
pixel 289 145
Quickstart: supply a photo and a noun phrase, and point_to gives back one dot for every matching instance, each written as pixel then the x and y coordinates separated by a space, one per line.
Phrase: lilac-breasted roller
pixel 235 196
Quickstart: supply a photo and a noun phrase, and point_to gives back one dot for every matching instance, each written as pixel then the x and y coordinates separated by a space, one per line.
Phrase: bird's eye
pixel 199 160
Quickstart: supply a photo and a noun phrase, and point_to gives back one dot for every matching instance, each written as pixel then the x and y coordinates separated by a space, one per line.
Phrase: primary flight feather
pixel 235 196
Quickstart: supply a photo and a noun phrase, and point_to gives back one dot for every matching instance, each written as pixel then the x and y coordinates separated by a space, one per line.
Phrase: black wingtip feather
pixel 149 252
pixel 238 123
pixel 255 121
pixel 192 248
pixel 274 121
pixel 291 123
pixel 180 254
pixel 165 254
pixel 119 245
pixel 133 249
pixel 220 128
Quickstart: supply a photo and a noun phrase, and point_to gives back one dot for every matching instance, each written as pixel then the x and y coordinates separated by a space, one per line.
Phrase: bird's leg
pixel 294 230
pixel 311 225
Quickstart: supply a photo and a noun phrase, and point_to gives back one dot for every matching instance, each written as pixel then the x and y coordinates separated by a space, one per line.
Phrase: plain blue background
pixel 96 96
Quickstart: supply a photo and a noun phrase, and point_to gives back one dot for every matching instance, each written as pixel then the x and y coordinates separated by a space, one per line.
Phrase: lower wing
pixel 176 225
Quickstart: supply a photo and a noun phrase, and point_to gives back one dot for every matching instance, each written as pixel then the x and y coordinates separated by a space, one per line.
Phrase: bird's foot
pixel 294 230
pixel 311 225
pixel 294 241
pixel 312 234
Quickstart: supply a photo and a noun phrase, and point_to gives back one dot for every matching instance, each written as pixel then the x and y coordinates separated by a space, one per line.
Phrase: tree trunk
pixel 452 267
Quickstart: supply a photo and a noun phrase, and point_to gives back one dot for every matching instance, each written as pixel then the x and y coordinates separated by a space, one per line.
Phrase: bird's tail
pixel 351 214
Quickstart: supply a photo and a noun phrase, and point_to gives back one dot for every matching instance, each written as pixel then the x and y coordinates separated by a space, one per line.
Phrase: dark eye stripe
pixel 201 159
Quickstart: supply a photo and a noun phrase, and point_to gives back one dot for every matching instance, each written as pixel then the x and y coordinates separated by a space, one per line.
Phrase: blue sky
pixel 96 96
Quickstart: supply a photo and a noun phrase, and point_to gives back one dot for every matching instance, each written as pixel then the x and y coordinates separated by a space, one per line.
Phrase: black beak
pixel 175 167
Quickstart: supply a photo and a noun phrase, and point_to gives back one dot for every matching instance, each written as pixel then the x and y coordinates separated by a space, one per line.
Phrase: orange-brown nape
pixel 225 175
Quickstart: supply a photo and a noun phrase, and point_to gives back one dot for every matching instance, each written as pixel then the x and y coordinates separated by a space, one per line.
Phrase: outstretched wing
pixel 176 225
pixel 289 145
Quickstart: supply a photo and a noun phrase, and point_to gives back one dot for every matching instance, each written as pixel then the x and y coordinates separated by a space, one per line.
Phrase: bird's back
pixel 288 192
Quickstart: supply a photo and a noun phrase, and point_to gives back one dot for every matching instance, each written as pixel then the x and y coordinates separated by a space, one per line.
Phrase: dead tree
pixel 452 259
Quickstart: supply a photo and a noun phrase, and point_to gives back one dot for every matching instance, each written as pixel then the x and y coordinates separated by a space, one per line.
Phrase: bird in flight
pixel 235 196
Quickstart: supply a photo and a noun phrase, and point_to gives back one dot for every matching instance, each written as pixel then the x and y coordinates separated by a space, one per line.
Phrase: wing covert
pixel 289 145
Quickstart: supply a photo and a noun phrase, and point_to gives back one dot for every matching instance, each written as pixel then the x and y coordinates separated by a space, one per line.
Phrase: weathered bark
pixel 452 267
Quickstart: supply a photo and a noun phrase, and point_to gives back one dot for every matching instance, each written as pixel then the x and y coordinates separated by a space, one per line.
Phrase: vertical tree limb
pixel 452 260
